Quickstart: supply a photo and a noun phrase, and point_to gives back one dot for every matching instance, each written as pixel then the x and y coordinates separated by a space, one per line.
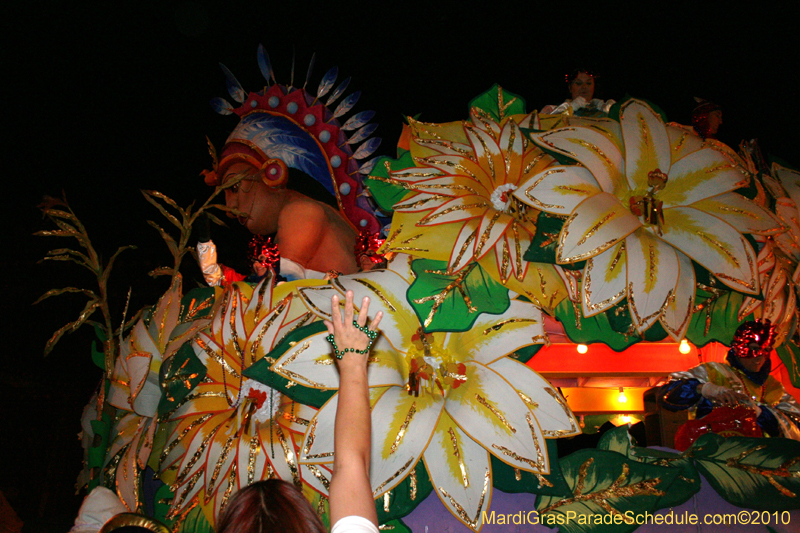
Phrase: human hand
pixel 723 395
pixel 351 339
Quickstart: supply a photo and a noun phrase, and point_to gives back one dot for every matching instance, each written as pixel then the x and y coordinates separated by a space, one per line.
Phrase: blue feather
pixel 234 87
pixel 358 120
pixel 347 104
pixel 221 106
pixel 327 82
pixel 367 167
pixel 366 149
pixel 310 68
pixel 280 139
pixel 362 134
pixel 338 92
pixel 264 64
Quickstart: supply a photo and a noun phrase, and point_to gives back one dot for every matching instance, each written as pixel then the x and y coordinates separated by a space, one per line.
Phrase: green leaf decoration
pixel 195 522
pixel 523 355
pixel 544 244
pixel 685 485
pixel 498 103
pixel 384 190
pixel 405 497
pixel 511 480
pixel 178 377
pixel 613 113
pixel 593 329
pixel 452 302
pixel 96 454
pixel 616 440
pixel 608 489
pixel 197 303
pixel 161 504
pixel 619 317
pixel 718 319
pixel 762 474
pixel 789 353
pixel 262 372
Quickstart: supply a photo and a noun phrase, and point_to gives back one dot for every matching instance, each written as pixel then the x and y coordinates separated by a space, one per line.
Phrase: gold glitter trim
pixel 320 476
pixel 218 467
pixel 495 412
pixel 229 489
pixel 312 429
pixel 177 503
pixel 463 207
pixel 616 490
pixel 252 455
pixel 281 368
pixel 412 490
pixel 288 454
pixel 499 325
pixel 375 290
pixel 558 398
pixel 781 471
pixel 391 478
pixel 462 513
pixel 401 433
pixel 260 301
pixel 486 234
pixel 594 229
pixel 439 298
pixel 168 449
pixel 387 500
pixel 219 358
pixel 457 454
pixel 189 398
pixel 528 401
pixel 275 314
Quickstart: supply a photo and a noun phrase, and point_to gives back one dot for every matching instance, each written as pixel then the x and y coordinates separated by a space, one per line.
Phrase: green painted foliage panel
pixel 492 100
pixel 440 299
pixel 761 474
pixel 504 477
pixel 388 194
pixel 405 497
pixel 789 353
pixel 261 370
pixel 605 485
pixel 179 376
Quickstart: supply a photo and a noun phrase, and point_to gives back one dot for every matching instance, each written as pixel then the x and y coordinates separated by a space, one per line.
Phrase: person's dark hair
pixel 572 74
pixel 269 506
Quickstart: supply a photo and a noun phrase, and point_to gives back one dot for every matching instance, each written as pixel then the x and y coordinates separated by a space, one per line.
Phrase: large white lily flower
pixel 646 200
pixel 226 434
pixel 135 387
pixel 450 399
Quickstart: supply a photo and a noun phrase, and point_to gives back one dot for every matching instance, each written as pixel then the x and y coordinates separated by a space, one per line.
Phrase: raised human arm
pixel 350 489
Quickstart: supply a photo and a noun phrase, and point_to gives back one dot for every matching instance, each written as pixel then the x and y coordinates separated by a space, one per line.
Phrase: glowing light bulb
pixel 626 419
pixel 684 348
pixel 622 398
pixel 582 348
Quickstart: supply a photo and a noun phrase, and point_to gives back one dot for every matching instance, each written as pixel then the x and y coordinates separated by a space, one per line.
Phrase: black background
pixel 103 99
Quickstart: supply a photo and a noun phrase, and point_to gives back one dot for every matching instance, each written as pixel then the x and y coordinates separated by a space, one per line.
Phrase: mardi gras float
pixel 496 232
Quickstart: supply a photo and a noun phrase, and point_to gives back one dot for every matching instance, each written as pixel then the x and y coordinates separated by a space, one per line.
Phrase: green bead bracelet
pixel 364 329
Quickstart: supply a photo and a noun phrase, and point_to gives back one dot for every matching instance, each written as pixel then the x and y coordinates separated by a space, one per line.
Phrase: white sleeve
pixel 207 257
pixel 354 524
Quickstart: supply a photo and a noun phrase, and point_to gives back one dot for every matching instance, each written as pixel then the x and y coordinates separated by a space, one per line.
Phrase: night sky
pixel 104 99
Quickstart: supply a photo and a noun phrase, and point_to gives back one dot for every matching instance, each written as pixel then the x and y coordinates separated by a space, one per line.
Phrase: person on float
pixel 582 103
pixel 744 380
pixel 706 118
pixel 277 506
pixel 262 254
